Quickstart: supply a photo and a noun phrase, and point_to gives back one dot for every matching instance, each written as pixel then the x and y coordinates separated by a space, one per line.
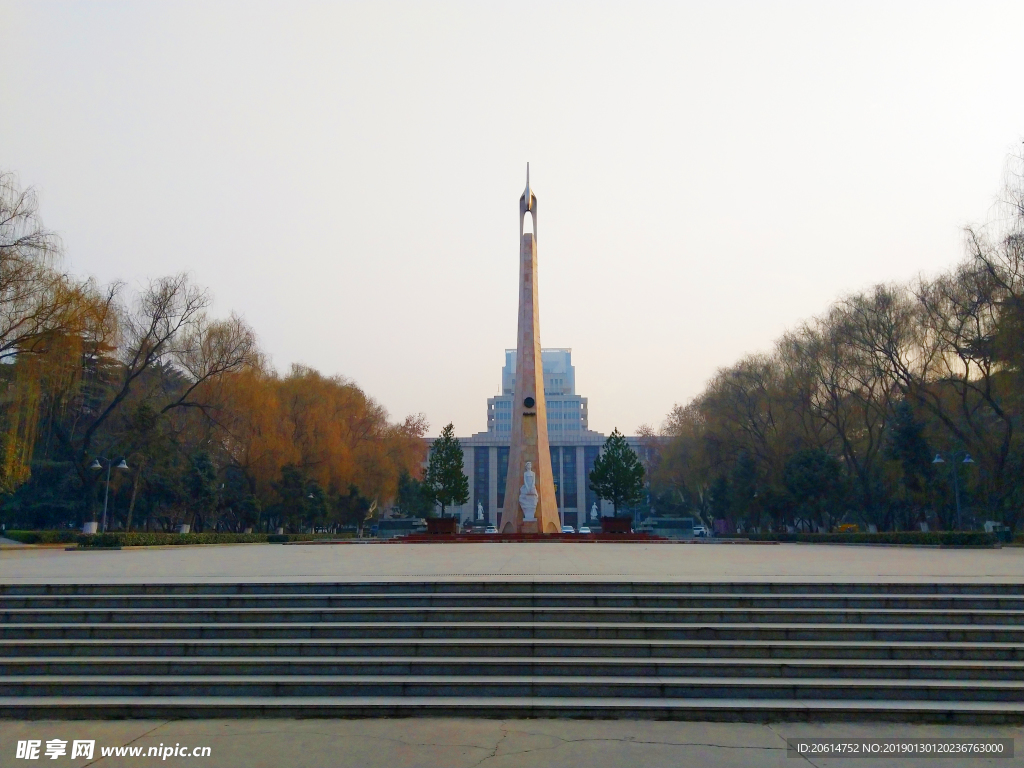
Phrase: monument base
pixel 442 525
pixel 529 526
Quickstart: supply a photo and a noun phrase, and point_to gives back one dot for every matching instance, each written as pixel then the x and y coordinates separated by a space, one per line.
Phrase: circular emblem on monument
pixel 529 402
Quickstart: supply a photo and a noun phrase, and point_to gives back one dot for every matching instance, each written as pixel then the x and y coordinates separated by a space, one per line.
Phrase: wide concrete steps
pixel 509 614
pixel 723 710
pixel 501 685
pixel 256 666
pixel 518 589
pixel 485 600
pixel 578 631
pixel 947 653
pixel 498 649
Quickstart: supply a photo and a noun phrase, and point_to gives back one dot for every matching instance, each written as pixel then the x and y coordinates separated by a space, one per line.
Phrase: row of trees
pixel 211 435
pixel 618 476
pixel 843 419
pixel 444 484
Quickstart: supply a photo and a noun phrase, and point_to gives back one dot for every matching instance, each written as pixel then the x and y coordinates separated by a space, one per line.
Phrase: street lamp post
pixel 108 463
pixel 956 476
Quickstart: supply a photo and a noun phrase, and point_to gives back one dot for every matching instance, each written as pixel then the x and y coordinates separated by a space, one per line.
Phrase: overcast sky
pixel 347 175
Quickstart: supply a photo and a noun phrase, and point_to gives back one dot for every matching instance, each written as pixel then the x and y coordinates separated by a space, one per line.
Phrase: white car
pixel 568 529
pixel 700 531
pixel 491 529
pixel 583 529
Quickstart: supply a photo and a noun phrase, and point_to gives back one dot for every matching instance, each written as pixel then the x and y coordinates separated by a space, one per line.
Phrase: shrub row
pixel 146 539
pixel 937 538
pixel 43 537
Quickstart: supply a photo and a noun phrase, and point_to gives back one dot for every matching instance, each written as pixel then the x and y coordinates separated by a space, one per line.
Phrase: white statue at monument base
pixel 528 496
pixel 593 511
pixel 479 511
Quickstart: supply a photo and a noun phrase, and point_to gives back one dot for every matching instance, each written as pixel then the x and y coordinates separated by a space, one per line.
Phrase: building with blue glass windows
pixel 567 411
pixel 574 447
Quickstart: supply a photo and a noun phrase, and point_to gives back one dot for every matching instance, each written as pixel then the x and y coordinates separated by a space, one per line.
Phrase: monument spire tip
pixel 528 194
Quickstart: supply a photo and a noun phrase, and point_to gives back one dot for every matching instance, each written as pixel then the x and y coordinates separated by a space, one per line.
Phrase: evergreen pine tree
pixel 908 446
pixel 412 498
pixel 618 475
pixel 445 482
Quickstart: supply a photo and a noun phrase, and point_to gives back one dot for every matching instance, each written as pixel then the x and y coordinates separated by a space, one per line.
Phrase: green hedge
pixel 43 537
pixel 935 538
pixel 144 539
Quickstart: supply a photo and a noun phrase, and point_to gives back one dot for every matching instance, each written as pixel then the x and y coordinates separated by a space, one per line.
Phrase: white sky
pixel 347 176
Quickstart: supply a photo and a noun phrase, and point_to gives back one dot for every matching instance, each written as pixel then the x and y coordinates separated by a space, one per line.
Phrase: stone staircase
pixel 751 652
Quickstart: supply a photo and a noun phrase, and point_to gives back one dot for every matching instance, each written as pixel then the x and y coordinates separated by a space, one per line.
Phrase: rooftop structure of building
pixel 567 411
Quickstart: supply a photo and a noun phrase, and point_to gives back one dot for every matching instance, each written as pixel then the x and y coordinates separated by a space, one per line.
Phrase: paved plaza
pixel 467 743
pixel 457 743
pixel 544 561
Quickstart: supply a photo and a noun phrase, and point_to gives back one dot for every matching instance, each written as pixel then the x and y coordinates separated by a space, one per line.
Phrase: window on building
pixel 569 494
pixel 590 454
pixel 556 470
pixel 502 475
pixel 481 480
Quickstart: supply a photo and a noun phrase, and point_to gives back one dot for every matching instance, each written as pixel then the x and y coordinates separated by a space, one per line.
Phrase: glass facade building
pixel 574 448
pixel 481 478
pixel 567 411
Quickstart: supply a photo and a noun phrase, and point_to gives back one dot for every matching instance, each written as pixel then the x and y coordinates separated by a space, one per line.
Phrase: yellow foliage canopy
pixel 325 425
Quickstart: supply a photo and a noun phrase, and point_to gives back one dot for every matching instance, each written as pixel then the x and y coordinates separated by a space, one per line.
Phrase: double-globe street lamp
pixel 966 459
pixel 99 463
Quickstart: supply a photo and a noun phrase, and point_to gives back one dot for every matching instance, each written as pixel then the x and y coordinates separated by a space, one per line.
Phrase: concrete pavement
pixel 468 743
pixel 457 743
pixel 529 562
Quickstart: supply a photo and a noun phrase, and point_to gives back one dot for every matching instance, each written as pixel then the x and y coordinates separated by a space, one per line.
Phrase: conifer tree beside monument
pixel 618 475
pixel 413 498
pixel 445 482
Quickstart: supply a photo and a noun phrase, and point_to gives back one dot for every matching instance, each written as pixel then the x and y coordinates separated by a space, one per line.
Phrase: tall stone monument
pixel 530 505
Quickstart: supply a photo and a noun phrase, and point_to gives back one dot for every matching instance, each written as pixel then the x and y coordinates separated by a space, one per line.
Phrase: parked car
pixel 700 530
pixel 583 529
pixel 491 529
pixel 568 529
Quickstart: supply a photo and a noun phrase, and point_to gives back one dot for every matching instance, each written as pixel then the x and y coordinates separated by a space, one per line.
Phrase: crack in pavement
pixel 783 739
pixel 277 731
pixel 625 739
pixel 497 745
pixel 354 736
pixel 634 740
pixel 128 744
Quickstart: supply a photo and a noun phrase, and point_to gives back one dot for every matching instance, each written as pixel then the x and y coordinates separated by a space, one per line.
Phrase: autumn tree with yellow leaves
pixel 153 377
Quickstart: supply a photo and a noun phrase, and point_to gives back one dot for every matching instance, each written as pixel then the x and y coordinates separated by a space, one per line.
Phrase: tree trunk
pixel 135 491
